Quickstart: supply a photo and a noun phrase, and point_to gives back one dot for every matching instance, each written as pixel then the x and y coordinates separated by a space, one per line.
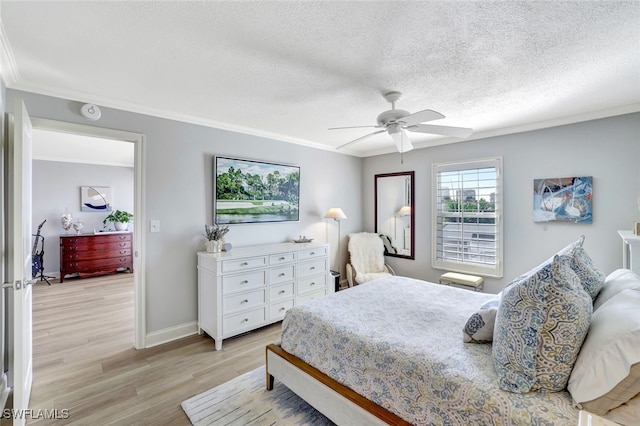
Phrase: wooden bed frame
pixel 333 399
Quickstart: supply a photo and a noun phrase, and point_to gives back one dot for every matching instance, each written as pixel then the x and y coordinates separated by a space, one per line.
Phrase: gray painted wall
pixel 56 187
pixel 179 189
pixel 178 173
pixel 607 149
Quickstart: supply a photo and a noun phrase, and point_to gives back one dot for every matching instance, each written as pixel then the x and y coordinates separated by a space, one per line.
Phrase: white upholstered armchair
pixel 366 258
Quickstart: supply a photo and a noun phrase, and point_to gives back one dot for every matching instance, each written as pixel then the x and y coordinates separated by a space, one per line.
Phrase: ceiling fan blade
pixel 401 139
pixel 421 117
pixel 457 132
pixel 360 138
pixel 352 127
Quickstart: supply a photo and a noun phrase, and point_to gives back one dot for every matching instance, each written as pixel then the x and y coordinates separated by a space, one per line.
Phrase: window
pixel 467 227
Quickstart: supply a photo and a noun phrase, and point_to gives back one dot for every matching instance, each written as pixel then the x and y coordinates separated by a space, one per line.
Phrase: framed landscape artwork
pixel 566 199
pixel 249 191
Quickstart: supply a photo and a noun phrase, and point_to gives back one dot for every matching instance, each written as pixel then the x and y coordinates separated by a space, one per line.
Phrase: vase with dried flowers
pixel 215 237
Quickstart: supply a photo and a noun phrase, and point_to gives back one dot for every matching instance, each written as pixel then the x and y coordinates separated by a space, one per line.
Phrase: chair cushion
pixel 464 279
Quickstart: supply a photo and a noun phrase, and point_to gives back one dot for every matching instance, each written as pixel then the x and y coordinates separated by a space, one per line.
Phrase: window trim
pixel 494 270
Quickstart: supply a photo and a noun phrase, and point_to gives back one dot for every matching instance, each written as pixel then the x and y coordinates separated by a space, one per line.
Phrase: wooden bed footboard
pixel 333 399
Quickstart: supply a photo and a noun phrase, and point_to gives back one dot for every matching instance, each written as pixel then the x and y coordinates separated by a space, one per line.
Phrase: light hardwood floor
pixel 84 360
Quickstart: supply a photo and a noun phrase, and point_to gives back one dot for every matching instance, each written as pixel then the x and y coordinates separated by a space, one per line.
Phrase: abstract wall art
pixel 567 199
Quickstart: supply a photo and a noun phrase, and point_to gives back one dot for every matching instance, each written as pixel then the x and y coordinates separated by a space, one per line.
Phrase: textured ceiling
pixel 290 70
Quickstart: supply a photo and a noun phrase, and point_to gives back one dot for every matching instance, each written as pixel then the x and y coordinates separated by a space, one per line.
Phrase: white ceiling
pixel 71 148
pixel 290 70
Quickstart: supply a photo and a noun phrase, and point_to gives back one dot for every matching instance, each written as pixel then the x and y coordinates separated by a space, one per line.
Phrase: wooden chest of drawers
pixel 250 287
pixel 91 254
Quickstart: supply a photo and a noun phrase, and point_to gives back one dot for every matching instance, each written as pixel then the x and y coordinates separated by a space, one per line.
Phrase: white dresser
pixel 250 287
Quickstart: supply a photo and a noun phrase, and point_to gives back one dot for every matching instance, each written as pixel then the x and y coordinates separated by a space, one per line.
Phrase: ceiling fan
pixel 397 122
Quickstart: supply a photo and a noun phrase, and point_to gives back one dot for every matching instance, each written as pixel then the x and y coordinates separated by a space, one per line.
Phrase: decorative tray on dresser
pixel 93 254
pixel 253 286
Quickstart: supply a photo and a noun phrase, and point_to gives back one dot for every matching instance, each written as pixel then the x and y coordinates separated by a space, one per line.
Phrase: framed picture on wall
pixel 250 191
pixel 567 199
pixel 95 199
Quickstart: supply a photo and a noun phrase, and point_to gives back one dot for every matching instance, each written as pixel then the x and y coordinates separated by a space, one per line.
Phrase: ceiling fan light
pixel 400 139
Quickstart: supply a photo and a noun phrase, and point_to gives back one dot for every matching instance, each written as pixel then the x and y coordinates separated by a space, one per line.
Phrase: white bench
pixel 455 279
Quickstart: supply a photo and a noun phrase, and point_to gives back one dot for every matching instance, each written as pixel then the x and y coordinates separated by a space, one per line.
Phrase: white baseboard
pixel 169 334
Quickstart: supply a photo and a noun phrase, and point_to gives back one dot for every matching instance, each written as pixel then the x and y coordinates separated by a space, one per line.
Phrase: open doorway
pixel 93 160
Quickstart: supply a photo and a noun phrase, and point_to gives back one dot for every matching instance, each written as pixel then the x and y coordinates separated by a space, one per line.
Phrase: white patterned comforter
pixel 398 342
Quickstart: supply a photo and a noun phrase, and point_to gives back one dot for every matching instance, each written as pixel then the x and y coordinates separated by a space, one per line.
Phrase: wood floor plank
pixel 84 359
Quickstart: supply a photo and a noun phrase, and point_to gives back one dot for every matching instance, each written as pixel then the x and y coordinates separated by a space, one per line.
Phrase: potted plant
pixel 214 235
pixel 120 219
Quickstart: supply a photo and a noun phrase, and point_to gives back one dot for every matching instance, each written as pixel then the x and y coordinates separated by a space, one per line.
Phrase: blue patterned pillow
pixel 540 325
pixel 592 278
pixel 568 316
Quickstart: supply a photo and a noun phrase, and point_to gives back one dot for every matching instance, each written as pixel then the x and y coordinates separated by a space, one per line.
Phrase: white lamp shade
pixel 404 211
pixel 335 213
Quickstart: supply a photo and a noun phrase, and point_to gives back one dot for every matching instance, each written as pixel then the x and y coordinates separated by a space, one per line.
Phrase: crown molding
pixel 8 68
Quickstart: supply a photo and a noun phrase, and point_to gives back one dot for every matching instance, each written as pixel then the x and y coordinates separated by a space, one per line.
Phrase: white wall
pixel 607 149
pixel 56 187
pixel 178 193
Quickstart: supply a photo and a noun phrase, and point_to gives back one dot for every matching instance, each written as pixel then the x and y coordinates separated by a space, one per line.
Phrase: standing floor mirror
pixel 394 215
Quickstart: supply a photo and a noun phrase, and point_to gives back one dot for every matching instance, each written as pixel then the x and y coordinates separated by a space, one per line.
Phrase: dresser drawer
pixel 310 296
pixel 91 255
pixel 243 321
pixel 75 248
pixel 283 274
pixel 243 301
pixel 308 284
pixel 282 291
pixel 278 309
pixel 312 268
pixel 242 264
pixel 242 282
pixel 277 259
pixel 312 253
pixel 94 265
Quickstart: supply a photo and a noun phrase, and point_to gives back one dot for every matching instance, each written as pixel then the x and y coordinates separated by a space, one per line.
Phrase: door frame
pixel 139 141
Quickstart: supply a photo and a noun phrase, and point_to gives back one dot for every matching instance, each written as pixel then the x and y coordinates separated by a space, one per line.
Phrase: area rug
pixel 245 401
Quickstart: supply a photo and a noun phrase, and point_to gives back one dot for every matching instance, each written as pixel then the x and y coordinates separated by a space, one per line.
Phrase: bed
pixel 408 366
pixel 391 352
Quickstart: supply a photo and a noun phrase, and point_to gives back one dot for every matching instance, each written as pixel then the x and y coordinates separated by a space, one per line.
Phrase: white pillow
pixel 608 354
pixel 479 326
pixel 614 283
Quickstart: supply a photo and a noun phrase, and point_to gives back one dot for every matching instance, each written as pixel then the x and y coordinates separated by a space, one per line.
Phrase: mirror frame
pixel 411 199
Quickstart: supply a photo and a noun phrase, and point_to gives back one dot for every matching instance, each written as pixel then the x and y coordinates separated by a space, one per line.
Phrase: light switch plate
pixel 154 226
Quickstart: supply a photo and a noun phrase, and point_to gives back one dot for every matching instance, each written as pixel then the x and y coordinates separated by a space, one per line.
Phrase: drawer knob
pixel 312 284
pixel 245 320
pixel 312 253
pixel 282 274
pixel 282 258
pixel 312 268
pixel 282 309
pixel 281 292
pixel 245 301
pixel 244 264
